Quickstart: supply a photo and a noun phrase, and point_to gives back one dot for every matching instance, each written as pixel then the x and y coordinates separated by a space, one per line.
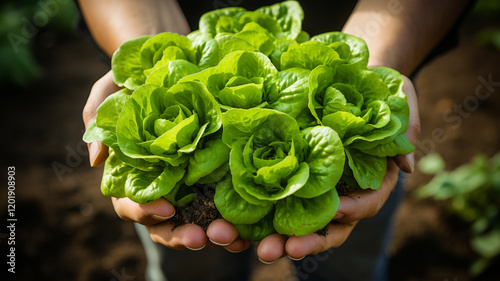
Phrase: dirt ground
pixel 67 230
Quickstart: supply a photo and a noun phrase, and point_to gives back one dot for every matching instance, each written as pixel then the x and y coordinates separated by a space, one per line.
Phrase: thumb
pixel 407 162
pixel 98 152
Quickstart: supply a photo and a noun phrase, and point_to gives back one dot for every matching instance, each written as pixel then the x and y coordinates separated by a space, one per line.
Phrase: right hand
pixel 155 215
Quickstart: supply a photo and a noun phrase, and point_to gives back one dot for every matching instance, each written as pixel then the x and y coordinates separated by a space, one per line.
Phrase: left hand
pixel 354 207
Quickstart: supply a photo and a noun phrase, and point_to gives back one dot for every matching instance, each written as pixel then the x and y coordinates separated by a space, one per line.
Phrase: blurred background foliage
pixel 472 193
pixel 487 11
pixel 27 25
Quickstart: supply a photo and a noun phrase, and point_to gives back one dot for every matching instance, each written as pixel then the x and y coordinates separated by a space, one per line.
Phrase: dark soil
pixel 201 211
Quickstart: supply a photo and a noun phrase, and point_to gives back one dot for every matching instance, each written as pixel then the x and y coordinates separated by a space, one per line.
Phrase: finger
pixel 271 248
pixel 98 153
pixel 222 233
pixel 147 214
pixel 366 203
pixel 238 245
pixel 101 89
pixel 407 162
pixel 297 247
pixel 413 130
pixel 104 87
pixel 187 236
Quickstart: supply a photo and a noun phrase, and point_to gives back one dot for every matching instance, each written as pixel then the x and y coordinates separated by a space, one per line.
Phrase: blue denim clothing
pixel 362 257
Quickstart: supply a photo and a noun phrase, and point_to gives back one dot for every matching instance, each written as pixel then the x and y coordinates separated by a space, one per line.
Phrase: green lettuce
pixel 159 138
pixel 253 106
pixel 368 110
pixel 136 59
pixel 276 167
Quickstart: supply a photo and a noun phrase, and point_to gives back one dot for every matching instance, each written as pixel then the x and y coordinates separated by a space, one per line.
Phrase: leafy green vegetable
pixel 241 80
pixel 252 105
pixel 273 163
pixel 368 110
pixel 157 136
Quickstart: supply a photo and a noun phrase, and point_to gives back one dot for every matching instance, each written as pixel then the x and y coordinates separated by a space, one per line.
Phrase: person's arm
pixel 399 34
pixel 111 23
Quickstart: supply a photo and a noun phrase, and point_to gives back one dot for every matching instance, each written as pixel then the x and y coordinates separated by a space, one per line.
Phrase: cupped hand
pixel 353 207
pixel 155 215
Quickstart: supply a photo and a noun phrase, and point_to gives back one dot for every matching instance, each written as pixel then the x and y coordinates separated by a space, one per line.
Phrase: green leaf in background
pixel 431 164
pixel 472 192
pixel 19 37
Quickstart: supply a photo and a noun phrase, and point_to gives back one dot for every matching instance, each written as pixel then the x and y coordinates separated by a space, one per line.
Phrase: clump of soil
pixel 342 188
pixel 201 211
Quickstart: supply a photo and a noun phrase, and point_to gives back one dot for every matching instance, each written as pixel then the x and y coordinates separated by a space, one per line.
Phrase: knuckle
pixel 154 237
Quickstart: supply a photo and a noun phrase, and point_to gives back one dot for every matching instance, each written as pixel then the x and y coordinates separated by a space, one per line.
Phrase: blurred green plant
pixel 21 22
pixel 472 192
pixel 487 11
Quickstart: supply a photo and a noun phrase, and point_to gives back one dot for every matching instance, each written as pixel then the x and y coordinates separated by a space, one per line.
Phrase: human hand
pixel 104 87
pixel 155 215
pixel 353 207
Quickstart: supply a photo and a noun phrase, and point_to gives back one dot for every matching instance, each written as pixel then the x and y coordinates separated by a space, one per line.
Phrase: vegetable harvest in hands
pixel 251 104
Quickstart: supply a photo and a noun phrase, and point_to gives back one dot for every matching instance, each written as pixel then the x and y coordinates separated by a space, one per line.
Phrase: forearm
pixel 400 34
pixel 112 22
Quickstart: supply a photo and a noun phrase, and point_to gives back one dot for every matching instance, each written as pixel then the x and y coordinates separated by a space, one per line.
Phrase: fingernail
pixel 219 244
pixel 267 262
pixel 294 259
pixel 161 218
pixel 410 158
pixel 234 252
pixel 193 249
pixel 338 216
pixel 404 163
pixel 93 152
